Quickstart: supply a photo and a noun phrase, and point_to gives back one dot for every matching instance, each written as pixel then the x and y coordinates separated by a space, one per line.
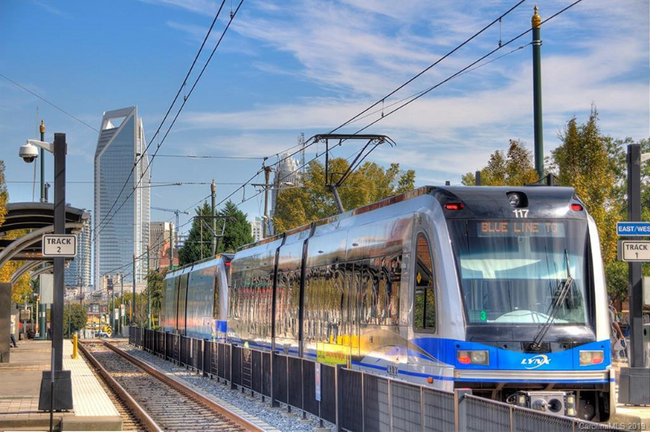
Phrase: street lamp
pixel 29 152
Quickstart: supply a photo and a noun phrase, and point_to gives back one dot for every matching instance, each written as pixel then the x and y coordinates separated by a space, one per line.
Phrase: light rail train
pixel 497 289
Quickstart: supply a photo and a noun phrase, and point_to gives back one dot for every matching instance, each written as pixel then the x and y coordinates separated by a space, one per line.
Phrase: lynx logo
pixel 536 361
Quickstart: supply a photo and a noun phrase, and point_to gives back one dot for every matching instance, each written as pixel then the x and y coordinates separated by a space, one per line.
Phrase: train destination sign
pixel 59 245
pixel 628 229
pixel 634 250
pixel 520 228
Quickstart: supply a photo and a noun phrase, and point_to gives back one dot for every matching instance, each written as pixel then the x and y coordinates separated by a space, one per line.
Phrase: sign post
pixel 634 380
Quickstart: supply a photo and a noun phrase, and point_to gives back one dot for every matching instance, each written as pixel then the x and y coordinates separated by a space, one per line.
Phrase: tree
pixel 155 283
pixel 237 231
pixel 74 319
pixel 582 161
pixel 199 241
pixel 515 168
pixel 313 201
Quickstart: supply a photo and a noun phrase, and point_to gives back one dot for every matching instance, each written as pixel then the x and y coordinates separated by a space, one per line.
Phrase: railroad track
pixel 159 403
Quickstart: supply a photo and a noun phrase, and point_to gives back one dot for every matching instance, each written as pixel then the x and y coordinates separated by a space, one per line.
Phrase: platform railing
pixel 349 399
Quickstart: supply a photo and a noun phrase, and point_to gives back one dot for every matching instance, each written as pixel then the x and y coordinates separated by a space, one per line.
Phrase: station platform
pixel 627 416
pixel 21 381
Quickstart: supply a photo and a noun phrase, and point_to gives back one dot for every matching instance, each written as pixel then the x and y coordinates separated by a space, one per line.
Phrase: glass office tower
pixel 121 220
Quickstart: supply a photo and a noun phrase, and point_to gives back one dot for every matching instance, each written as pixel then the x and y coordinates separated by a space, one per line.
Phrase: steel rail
pixel 138 411
pixel 186 390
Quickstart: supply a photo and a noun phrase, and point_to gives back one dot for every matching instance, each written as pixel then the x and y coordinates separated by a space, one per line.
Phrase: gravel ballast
pixel 276 417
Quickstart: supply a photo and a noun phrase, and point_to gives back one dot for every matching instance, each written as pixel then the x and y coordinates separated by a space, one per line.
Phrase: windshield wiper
pixel 563 290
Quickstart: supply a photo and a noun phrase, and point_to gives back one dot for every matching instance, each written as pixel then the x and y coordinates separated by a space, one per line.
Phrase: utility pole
pixel 635 380
pixel 171 246
pixel 148 291
pixel 213 194
pixel 267 174
pixel 122 304
pixel 133 303
pixel 41 307
pixel 537 93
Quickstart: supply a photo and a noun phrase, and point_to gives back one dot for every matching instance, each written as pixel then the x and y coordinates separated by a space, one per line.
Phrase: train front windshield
pixel 519 271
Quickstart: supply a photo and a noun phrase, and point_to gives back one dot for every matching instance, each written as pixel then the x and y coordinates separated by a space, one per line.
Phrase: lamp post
pixel 28 153
pixel 41 308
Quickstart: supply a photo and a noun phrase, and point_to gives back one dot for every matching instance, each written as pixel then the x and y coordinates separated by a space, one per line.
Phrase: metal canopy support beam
pixel 30 239
pixel 29 265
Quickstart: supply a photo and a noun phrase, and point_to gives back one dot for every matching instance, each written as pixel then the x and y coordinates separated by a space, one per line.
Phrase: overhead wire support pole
pixel 537 93
pixel 213 196
pixel 42 307
pixel 133 303
pixel 148 290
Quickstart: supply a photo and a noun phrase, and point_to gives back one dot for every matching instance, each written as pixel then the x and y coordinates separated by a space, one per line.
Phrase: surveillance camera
pixel 28 152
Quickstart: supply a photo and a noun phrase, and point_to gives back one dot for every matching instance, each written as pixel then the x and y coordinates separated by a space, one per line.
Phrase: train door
pixel 427 346
pixel 182 304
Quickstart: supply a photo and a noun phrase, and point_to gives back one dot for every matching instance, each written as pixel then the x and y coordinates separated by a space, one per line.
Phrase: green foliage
pixel 370 183
pixel 237 231
pixel 155 284
pixel 514 168
pixel 74 319
pixel 583 162
pixel 199 241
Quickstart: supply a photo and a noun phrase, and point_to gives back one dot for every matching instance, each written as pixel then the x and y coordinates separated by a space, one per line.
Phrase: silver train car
pixel 497 289
pixel 195 298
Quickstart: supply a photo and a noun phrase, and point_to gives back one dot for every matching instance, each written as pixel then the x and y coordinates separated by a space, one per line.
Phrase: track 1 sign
pixel 59 245
pixel 634 251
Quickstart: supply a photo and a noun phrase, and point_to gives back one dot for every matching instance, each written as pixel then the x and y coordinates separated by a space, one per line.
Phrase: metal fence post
pixel 338 397
pixel 288 386
pixel 232 385
pixel 274 402
pixel 460 409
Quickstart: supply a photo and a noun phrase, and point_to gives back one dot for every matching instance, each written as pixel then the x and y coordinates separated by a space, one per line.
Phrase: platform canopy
pixel 38 219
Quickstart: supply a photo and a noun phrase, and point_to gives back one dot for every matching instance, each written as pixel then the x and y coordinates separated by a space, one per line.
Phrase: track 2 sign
pixel 59 245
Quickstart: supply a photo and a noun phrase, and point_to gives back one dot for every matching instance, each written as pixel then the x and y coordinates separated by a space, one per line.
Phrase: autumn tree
pixel 22 288
pixel 313 201
pixel 512 168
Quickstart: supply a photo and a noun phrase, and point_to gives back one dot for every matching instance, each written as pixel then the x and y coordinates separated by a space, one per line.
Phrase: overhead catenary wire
pixel 426 91
pixel 310 142
pixel 48 102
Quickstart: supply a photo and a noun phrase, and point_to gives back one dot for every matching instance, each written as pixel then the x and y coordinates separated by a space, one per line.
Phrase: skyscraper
pixel 121 221
pixel 78 273
pixel 159 235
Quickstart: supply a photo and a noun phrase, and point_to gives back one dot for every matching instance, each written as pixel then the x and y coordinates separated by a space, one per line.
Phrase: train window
pixel 424 309
pixel 215 288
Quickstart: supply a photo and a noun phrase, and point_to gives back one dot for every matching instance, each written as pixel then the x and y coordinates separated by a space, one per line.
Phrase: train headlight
pixel 515 199
pixel 477 357
pixel 591 357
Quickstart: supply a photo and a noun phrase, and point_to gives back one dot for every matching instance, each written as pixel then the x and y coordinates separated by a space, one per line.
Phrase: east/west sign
pixel 627 229
pixel 59 245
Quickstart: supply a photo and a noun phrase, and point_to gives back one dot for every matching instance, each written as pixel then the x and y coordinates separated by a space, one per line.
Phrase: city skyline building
pixel 159 233
pixel 257 229
pixel 287 175
pixel 78 273
pixel 122 218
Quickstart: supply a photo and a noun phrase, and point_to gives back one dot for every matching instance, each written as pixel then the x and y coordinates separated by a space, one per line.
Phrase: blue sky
pixel 307 66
